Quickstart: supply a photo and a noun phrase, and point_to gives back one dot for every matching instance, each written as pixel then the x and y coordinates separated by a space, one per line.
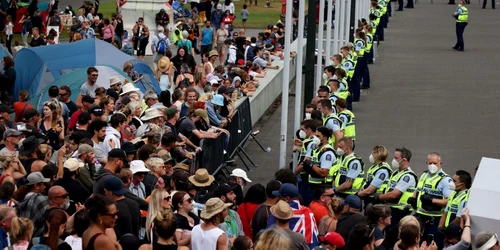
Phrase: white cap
pixel 137 167
pixel 238 172
pixel 72 164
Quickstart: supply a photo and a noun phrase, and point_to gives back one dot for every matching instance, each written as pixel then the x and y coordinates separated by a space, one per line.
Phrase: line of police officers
pixel 328 137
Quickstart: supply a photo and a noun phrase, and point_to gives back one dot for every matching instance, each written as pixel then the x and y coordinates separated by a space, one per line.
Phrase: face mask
pixel 432 168
pixel 334 77
pixel 340 151
pixel 302 134
pixel 451 185
pixel 308 116
pixel 316 140
pixel 371 159
pixel 325 76
pixel 65 205
pixel 394 164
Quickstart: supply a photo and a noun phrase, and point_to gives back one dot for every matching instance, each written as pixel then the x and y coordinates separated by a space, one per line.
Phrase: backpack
pixel 161 46
pixel 37 246
pixel 185 82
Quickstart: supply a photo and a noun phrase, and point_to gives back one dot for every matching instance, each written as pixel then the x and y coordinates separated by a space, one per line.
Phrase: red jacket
pixel 246 211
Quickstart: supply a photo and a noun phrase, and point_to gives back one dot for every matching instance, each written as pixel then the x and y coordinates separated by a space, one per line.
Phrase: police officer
pixel 349 175
pixel 340 75
pixel 462 18
pixel 328 73
pixel 402 185
pixel 369 51
pixel 322 159
pixel 334 92
pixel 330 120
pixel 361 71
pixel 307 131
pixel 349 65
pixel 457 201
pixel 348 120
pixel 431 197
pixel 377 176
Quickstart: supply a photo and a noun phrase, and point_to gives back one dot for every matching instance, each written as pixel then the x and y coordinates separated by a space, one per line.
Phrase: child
pixel 244 16
pixel 9 31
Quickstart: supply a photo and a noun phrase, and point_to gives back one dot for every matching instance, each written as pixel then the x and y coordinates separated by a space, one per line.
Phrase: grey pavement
pixel 424 95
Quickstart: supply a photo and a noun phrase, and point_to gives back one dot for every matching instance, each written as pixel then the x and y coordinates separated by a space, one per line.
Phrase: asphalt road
pixel 424 95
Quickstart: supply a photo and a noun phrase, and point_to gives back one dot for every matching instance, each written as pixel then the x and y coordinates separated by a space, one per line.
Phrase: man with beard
pixel 58 199
pixel 77 193
pixel 98 130
pixel 239 181
pixel 86 157
pixel 232 222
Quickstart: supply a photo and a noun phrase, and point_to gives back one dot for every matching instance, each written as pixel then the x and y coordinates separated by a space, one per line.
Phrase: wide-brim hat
pixel 213 207
pixel 151 113
pixel 114 80
pixel 29 145
pixel 213 53
pixel 282 210
pixel 129 87
pixel 164 64
pixel 201 178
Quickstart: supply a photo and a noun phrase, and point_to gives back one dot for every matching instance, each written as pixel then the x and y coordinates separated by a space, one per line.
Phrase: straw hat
pixel 201 178
pixel 129 87
pixel 213 53
pixel 151 113
pixel 182 166
pixel 164 64
pixel 282 210
pixel 213 207
pixel 114 80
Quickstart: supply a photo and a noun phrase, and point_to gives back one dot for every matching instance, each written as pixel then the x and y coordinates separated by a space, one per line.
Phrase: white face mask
pixel 302 134
pixel 451 185
pixel 308 116
pixel 325 76
pixel 65 205
pixel 432 168
pixel 316 140
pixel 371 159
pixel 394 164
pixel 340 152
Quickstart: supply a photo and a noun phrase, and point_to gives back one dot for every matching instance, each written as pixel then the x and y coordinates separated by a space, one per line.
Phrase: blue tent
pixel 38 67
pixel 4 52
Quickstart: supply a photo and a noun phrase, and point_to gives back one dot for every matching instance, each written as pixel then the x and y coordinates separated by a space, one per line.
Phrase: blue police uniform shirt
pixel 380 176
pixel 406 181
pixel 327 159
pixel 343 118
pixel 347 65
pixel 309 149
pixel 443 185
pixel 458 12
pixel 360 45
pixel 333 124
pixel 355 169
pixel 462 205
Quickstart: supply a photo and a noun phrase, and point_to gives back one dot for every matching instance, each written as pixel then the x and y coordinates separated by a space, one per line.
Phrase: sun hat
pixel 282 210
pixel 35 178
pixel 164 64
pixel 213 207
pixel 138 167
pixel 203 114
pixel 201 178
pixel 129 87
pixel 213 53
pixel 72 164
pixel 238 172
pixel 151 113
pixel 114 80
pixel 29 145
pixel 182 166
pixel 218 100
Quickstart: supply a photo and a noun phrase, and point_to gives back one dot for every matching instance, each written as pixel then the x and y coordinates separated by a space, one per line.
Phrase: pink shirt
pixel 108 32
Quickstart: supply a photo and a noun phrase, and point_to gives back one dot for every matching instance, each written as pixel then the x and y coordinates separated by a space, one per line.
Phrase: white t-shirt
pixel 9 29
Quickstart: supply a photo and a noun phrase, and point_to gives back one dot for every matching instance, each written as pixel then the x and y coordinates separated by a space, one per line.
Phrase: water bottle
pixel 229 234
pixel 199 206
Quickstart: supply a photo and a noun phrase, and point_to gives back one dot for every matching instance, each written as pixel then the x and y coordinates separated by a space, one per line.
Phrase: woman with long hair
pixel 108 105
pixel 80 223
pixel 52 125
pixel 159 202
pixel 100 235
pixel 220 38
pixel 55 224
pixel 108 31
pixel 361 238
pixel 43 155
pixel 13 170
pixel 255 196
pixel 182 203
pixel 22 105
pixel 9 79
pixel 409 236
pixel 273 239
pixel 100 93
pixel 140 38
pixel 7 190
pixel 379 217
pixel 164 74
pixel 242 243
pixel 185 73
pixel 329 223
pixel 21 232
pixel 165 227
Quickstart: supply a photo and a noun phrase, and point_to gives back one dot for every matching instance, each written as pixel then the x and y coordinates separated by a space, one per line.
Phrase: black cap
pixel 30 113
pixel 118 153
pixel 222 90
pixel 6 109
pixel 88 99
pixel 128 147
pixel 96 110
pixel 453 231
pixel 223 190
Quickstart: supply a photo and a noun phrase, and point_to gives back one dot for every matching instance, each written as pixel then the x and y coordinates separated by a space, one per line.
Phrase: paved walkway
pixel 424 96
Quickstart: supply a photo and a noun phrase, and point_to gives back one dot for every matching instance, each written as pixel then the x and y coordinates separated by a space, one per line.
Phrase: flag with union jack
pixel 303 222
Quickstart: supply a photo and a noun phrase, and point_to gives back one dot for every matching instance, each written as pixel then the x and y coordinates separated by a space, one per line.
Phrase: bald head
pixel 56 191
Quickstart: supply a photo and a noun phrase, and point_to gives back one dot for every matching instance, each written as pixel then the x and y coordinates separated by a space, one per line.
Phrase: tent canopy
pixel 38 67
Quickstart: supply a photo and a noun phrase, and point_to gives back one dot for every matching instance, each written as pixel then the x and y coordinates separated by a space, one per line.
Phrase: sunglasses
pixel 63 196
pixel 330 195
pixel 95 75
pixel 190 200
pixel 113 215
pixel 63 94
pixel 167 198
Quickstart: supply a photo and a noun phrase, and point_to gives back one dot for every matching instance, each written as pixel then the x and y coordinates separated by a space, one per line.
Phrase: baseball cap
pixel 222 190
pixel 73 164
pixel 88 98
pixel 11 132
pixel 353 201
pixel 96 110
pixel 30 113
pixel 223 90
pixel 114 185
pixel 85 148
pixel 36 177
pixel 118 153
pixel 171 112
pixel 334 239
pixel 6 109
pixel 287 190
